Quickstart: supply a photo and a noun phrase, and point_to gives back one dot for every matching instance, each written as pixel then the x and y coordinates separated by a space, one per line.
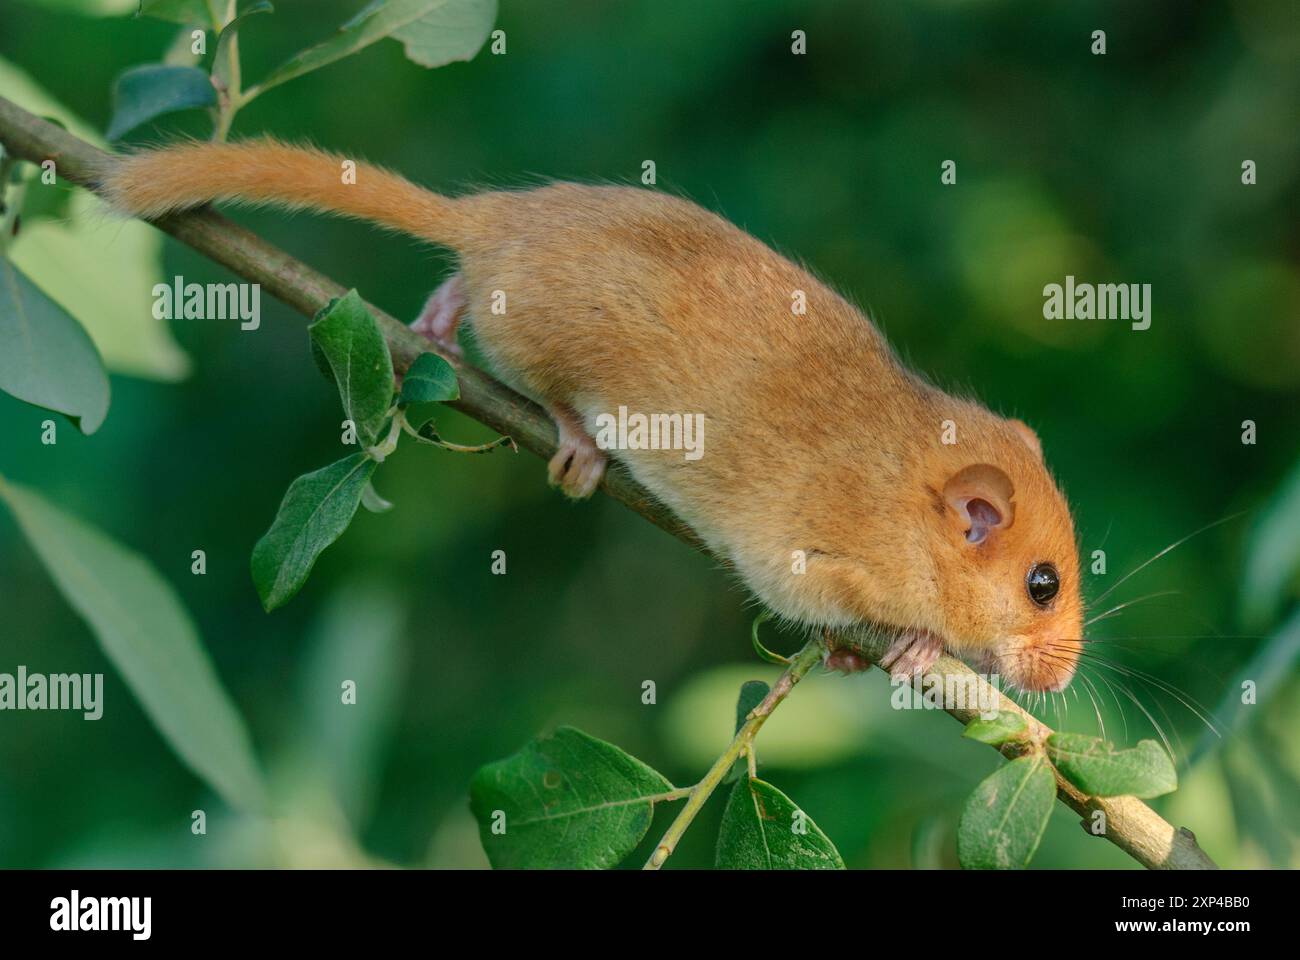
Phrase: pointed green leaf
pixel 314 513
pixel 752 693
pixel 429 382
pixel 434 32
pixel 1272 567
pixel 149 637
pixel 103 268
pixel 359 635
pixel 46 358
pixel 346 335
pixel 1099 770
pixel 762 829
pixel 566 800
pixel 1004 726
pixel 1004 819
pixel 154 89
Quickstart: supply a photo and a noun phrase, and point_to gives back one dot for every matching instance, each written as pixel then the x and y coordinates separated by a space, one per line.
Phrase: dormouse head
pixel 1007 561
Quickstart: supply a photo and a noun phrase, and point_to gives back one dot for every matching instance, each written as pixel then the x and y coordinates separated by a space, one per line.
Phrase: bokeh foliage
pixel 1122 168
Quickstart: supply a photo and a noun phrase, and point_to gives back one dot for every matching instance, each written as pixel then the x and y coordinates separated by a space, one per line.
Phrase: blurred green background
pixel 1122 168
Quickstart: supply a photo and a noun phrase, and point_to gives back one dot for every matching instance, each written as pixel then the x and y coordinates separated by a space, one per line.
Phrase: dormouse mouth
pixel 1036 665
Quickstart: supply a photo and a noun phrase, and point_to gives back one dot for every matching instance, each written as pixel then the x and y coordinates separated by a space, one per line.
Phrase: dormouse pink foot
pixel 846 660
pixel 912 652
pixel 578 464
pixel 441 316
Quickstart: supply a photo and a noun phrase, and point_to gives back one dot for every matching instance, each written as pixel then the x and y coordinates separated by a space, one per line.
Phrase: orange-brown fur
pixel 817 439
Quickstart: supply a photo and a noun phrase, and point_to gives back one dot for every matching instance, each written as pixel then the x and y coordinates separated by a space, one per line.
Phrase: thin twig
pixel 1131 825
pixel 741 745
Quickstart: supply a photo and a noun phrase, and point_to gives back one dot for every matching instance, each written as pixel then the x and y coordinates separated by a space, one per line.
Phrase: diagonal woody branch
pixel 1128 822
pixel 295 284
pixel 1131 825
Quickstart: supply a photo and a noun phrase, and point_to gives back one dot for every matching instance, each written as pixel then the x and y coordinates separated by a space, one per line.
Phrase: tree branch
pixel 1131 825
pixel 307 291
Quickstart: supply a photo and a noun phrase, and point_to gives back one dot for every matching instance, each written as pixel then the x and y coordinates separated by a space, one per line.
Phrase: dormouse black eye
pixel 1042 583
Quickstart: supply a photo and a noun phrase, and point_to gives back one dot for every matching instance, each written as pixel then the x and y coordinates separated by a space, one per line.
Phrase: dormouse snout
pixel 1036 664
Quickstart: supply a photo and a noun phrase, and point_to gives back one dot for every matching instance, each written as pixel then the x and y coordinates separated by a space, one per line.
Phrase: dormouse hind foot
pixel 442 314
pixel 846 660
pixel 912 652
pixel 578 464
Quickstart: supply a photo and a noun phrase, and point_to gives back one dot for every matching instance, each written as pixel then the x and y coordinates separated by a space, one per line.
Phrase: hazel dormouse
pixel 819 443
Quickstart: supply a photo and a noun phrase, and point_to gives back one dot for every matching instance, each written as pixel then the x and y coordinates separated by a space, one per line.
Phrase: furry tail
pixel 156 182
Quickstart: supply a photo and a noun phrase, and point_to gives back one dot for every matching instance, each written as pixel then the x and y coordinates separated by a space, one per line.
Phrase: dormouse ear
pixel 979 498
pixel 1027 434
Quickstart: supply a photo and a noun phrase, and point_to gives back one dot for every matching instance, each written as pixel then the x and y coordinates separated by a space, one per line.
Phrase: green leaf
pixel 1269 669
pixel 153 89
pixel 46 358
pixel 314 513
pixel 429 382
pixel 1005 817
pixel 358 636
pixel 104 275
pixel 762 829
pixel 44 201
pixel 185 12
pixel 1272 567
pixel 752 693
pixel 568 800
pixel 372 501
pixel 346 335
pixel 434 32
pixel 1099 770
pixel 430 379
pixel 220 60
pixel 1005 726
pixel 149 637
pixel 102 268
pixel 448 32
pixel 91 8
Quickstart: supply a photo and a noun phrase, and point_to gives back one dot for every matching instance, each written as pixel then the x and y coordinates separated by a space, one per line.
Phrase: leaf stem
pixel 741 745
pixel 229 98
pixel 437 441
pixel 380 452
pixel 677 793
